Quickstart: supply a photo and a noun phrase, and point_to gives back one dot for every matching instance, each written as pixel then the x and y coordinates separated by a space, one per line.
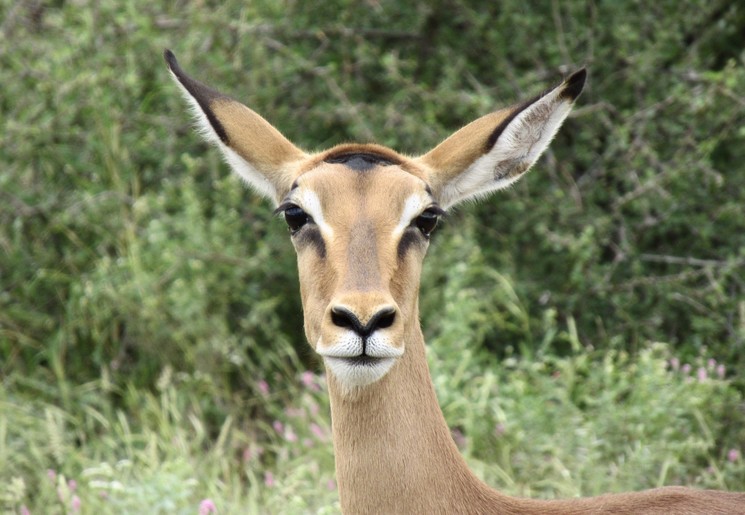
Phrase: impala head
pixel 360 216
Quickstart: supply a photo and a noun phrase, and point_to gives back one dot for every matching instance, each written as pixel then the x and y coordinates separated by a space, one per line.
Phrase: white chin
pixel 353 373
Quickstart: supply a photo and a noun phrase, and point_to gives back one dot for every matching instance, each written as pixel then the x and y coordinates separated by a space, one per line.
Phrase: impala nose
pixel 381 319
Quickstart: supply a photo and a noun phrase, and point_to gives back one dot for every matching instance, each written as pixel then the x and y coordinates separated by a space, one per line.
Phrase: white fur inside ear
pixel 239 165
pixel 519 146
pixel 247 172
pixel 202 124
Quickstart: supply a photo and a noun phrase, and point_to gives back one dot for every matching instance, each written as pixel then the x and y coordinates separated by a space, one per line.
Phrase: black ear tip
pixel 170 59
pixel 173 65
pixel 574 84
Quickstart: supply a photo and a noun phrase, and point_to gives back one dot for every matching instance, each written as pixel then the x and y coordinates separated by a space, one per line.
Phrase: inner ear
pixel 496 150
pixel 253 148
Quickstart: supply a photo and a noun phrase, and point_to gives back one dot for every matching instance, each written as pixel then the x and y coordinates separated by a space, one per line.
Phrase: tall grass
pixel 584 424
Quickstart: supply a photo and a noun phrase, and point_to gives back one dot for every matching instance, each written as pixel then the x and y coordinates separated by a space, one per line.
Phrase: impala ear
pixel 253 148
pixel 497 149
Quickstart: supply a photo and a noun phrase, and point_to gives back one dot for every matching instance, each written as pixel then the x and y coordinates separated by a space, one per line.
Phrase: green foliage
pixel 147 301
pixel 644 421
pixel 163 457
pixel 640 232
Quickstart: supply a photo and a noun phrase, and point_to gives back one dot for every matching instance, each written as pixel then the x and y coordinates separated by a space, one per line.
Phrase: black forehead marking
pixel 360 161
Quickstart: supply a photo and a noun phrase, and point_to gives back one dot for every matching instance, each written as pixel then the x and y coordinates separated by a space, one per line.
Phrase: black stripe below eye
pixel 409 238
pixel 311 235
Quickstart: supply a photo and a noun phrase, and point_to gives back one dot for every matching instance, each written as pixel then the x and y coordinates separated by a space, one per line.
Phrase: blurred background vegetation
pixel 586 328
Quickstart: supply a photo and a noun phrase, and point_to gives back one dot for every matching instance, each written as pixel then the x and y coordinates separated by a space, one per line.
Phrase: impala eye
pixel 296 218
pixel 427 221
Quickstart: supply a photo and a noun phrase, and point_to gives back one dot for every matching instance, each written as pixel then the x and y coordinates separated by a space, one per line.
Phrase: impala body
pixel 360 217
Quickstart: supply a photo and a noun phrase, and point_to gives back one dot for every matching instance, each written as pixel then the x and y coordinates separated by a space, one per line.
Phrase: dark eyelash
pixel 437 210
pixel 284 206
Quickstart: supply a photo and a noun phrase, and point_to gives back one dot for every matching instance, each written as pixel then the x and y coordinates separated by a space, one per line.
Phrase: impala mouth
pixel 357 362
pixel 360 370
pixel 363 360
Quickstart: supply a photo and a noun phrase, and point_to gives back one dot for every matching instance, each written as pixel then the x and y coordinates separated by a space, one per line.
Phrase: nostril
pixel 344 318
pixel 380 320
pixel 385 319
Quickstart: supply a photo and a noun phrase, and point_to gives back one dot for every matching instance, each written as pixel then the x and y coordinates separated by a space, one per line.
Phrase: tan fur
pixel 457 152
pixel 361 268
pixel 259 143
pixel 394 452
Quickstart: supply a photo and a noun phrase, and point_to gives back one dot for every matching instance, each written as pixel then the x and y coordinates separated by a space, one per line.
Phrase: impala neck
pixel 394 452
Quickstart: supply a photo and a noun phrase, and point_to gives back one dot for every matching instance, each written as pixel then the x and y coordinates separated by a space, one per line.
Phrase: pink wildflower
pixel 308 379
pixel 331 485
pixel 206 507
pixel 702 375
pixel 317 431
pixel 500 429
pixel 269 479
pixel 253 452
pixel 711 364
pixel 24 510
pixel 674 363
pixel 52 475
pixel 75 503
pixel 313 409
pixel 263 387
pixel 290 435
pixel 733 455
pixel 686 369
pixel 294 412
pixel 249 454
pixel 721 371
pixel 72 485
pixel 278 426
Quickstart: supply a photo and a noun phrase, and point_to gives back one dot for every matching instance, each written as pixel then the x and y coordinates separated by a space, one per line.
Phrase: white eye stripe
pixel 413 205
pixel 310 203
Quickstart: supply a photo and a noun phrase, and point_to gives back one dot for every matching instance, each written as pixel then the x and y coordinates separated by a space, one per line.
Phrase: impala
pixel 360 218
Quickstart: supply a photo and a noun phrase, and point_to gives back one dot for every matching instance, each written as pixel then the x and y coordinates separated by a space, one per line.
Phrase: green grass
pixel 557 427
